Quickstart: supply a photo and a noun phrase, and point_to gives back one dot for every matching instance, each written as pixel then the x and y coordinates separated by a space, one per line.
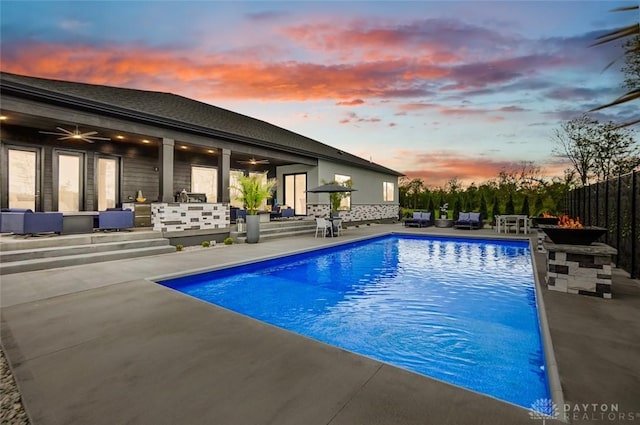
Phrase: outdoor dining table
pixel 503 222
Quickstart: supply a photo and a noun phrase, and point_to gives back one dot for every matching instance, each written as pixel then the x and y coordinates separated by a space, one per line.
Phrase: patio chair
pixel 468 220
pixel 337 226
pixel 287 213
pixel 115 219
pixel 323 225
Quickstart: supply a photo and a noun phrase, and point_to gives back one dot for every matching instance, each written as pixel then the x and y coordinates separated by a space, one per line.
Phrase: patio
pixel 101 344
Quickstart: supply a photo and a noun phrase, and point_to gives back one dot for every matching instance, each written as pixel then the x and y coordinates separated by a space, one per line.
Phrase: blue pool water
pixel 459 310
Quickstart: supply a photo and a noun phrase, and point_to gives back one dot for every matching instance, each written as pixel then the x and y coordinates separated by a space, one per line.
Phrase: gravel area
pixel 11 409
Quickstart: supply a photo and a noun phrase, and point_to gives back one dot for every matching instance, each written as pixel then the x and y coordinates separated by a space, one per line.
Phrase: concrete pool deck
pixel 101 344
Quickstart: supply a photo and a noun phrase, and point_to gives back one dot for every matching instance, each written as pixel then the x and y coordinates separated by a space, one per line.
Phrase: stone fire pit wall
pixel 580 269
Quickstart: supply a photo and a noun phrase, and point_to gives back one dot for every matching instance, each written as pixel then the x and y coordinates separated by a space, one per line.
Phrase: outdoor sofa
pixel 468 220
pixel 278 212
pixel 114 219
pixel 420 219
pixel 27 222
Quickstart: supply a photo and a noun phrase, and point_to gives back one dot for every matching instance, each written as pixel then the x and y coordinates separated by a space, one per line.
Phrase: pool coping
pixel 553 375
pixel 596 342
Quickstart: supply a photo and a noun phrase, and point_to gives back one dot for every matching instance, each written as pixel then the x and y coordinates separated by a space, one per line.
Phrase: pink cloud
pixel 437 167
pixel 354 102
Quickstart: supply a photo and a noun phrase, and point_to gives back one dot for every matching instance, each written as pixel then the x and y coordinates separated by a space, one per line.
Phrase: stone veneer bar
pixel 580 269
pixel 175 217
pixel 358 212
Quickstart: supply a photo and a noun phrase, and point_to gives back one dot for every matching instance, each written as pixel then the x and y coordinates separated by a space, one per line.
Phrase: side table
pixel 443 222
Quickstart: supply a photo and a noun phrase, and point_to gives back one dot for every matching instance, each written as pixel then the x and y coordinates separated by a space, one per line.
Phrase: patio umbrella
pixel 331 188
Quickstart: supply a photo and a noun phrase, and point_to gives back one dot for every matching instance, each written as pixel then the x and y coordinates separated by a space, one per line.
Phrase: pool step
pixel 279 229
pixel 29 254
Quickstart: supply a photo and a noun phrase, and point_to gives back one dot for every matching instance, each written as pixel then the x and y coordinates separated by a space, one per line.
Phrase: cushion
pixel 426 215
pixel 417 215
pixel 464 216
pixel 474 217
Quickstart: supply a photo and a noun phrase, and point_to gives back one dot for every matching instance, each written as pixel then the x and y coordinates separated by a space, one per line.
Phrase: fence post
pixel 634 228
pixel 618 214
pixel 597 204
pixel 606 209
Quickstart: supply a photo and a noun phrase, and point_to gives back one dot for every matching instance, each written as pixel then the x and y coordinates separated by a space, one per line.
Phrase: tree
pixel 415 186
pixel 631 67
pixel 632 49
pixel 495 209
pixel 575 141
pixel 510 209
pixel 432 207
pixel 538 206
pixel 525 206
pixel 615 152
pixel 457 207
pixel 483 208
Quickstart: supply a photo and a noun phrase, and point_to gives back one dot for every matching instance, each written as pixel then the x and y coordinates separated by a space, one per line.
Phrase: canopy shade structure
pixel 331 188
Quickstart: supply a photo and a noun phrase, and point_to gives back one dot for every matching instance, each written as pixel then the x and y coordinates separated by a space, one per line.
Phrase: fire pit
pixel 573 236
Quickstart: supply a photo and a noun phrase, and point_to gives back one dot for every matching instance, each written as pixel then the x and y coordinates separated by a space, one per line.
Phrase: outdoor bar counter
pixel 180 216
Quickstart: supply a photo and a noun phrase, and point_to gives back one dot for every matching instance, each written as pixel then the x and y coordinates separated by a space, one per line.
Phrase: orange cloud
pixel 438 167
pixel 214 76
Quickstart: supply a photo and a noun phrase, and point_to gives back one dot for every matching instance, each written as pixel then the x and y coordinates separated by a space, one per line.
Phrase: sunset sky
pixel 433 89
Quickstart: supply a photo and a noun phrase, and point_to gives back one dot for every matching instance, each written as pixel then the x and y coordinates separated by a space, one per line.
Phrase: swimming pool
pixel 459 310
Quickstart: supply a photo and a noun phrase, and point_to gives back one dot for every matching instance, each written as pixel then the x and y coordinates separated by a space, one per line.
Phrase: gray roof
pixel 167 109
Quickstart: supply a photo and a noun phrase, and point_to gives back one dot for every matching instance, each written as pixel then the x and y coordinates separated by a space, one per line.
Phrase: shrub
pixel 206 244
pixel 179 247
pixel 228 241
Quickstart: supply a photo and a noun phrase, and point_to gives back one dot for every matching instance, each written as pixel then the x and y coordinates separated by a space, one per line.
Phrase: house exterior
pixel 111 146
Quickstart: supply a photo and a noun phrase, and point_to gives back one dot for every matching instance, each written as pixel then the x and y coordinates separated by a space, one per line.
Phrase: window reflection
pixel 22 179
pixel 68 183
pixel 106 183
pixel 205 180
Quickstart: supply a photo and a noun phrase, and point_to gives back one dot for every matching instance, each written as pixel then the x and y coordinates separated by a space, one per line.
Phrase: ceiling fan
pixel 88 136
pixel 254 161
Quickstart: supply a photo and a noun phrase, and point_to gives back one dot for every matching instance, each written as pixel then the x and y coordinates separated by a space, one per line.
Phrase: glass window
pixel 295 195
pixel 345 202
pixel 22 179
pixel 388 190
pixel 107 183
pixel 234 193
pixel 262 178
pixel 205 180
pixel 68 182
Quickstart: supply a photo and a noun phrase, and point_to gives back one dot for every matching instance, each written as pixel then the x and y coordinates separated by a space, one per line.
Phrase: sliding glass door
pixel 69 180
pixel 295 195
pixel 23 178
pixel 107 182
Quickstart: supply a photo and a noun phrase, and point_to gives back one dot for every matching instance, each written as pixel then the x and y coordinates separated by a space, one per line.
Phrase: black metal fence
pixel 613 204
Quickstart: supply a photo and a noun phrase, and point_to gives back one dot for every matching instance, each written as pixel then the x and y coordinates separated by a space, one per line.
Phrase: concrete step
pixel 241 237
pixel 75 260
pixel 67 250
pixel 15 243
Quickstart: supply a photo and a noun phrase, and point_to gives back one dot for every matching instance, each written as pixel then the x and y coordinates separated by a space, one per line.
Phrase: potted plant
pixel 444 211
pixel 252 192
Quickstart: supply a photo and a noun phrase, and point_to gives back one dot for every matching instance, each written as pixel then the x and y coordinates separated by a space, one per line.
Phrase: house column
pixel 225 171
pixel 166 169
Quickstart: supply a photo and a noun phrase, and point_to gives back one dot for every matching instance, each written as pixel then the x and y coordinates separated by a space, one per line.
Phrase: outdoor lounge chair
pixel 27 222
pixel 115 219
pixel 468 220
pixel 420 219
